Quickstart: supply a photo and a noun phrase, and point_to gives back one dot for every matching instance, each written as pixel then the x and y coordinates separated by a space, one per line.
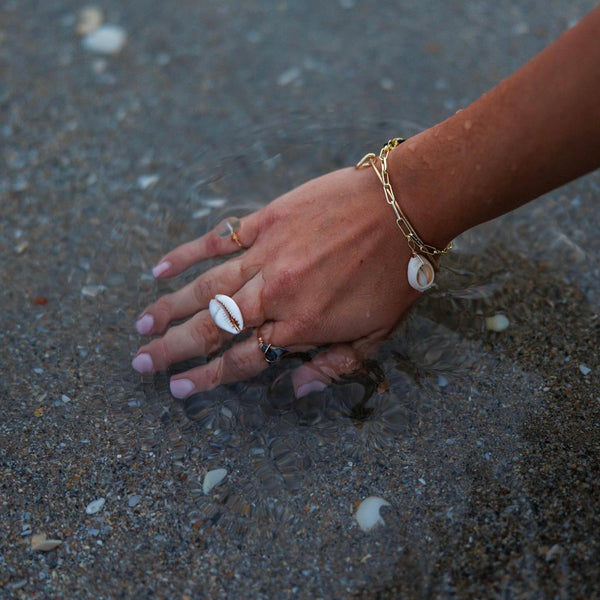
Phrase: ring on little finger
pixel 229 229
pixel 272 353
pixel 226 314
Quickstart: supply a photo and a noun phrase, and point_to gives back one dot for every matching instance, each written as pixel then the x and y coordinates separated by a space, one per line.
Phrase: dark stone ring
pixel 272 353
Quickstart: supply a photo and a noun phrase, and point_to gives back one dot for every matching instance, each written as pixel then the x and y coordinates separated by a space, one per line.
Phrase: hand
pixel 323 264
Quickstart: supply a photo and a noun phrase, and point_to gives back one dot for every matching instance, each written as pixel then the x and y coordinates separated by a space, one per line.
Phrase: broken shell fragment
pixel 226 314
pixel 367 514
pixel 212 479
pixel 421 273
pixel 39 543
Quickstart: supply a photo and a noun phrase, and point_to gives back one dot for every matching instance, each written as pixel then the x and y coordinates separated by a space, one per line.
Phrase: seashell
pixel 39 543
pixel 106 39
pixel 226 314
pixel 421 273
pixel 497 323
pixel 90 18
pixel 212 479
pixel 367 514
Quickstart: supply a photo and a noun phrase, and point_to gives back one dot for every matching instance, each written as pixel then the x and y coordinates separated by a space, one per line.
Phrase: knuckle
pixel 203 291
pixel 205 335
pixel 212 245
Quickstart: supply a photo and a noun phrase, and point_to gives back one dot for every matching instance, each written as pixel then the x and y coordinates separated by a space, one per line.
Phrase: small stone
pixel 21 247
pixel 147 181
pixel 288 76
pixel 214 202
pixel 91 291
pixel 212 479
pixel 106 39
pixel 201 213
pixel 585 370
pixel 386 84
pixel 553 553
pixel 89 19
pixel 95 506
pixel 134 500
pixel 497 323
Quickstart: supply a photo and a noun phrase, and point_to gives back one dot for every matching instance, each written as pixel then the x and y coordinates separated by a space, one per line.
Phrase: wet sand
pixel 485 444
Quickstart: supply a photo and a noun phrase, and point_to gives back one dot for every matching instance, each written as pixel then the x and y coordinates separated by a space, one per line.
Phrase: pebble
pixel 89 19
pixel 95 506
pixel 134 500
pixel 386 83
pixel 367 515
pixel 214 202
pixel 201 213
pixel 585 370
pixel 147 181
pixel 21 247
pixel 91 291
pixel 106 39
pixel 212 479
pixel 497 323
pixel 288 76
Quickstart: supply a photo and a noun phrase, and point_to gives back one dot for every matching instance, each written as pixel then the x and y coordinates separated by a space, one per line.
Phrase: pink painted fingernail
pixel 160 268
pixel 181 388
pixel 144 324
pixel 142 363
pixel 310 386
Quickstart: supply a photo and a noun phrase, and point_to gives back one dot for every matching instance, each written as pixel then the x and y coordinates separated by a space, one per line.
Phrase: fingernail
pixel 310 386
pixel 181 388
pixel 145 324
pixel 142 363
pixel 160 268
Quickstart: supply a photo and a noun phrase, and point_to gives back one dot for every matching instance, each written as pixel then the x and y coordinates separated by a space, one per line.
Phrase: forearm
pixel 535 131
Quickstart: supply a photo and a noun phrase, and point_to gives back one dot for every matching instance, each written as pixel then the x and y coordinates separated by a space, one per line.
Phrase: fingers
pixel 195 296
pixel 242 361
pixel 199 335
pixel 325 367
pixel 229 236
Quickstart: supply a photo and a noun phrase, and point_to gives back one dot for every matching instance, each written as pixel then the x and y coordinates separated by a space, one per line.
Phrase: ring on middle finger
pixel 226 314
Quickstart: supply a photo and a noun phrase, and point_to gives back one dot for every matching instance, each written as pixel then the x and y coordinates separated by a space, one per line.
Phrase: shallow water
pixel 436 424
pixel 485 444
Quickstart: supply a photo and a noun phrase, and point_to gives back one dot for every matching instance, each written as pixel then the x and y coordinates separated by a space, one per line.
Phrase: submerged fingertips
pixel 161 268
pixel 145 324
pixel 182 388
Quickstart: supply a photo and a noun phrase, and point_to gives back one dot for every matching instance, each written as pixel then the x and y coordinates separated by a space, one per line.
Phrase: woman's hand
pixel 323 264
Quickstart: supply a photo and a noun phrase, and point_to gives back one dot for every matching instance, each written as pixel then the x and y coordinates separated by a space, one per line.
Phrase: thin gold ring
pixel 236 238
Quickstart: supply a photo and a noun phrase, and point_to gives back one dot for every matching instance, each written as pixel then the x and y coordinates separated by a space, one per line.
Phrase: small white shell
pixel 226 314
pixel 367 514
pixel 95 506
pixel 421 273
pixel 497 323
pixel 212 479
pixel 39 543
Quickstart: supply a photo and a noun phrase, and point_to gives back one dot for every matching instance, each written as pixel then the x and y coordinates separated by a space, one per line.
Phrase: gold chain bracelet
pixel 415 243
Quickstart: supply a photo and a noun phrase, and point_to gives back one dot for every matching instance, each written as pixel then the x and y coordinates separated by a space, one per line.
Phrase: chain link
pixel 408 231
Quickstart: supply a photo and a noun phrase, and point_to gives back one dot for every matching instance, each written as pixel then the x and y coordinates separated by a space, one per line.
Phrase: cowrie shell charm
pixel 421 273
pixel 226 314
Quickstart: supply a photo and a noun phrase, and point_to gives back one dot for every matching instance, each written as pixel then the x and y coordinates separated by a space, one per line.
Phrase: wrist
pixel 426 186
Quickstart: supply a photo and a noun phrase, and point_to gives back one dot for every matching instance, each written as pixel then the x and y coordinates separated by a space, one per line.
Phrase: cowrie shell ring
pixel 421 273
pixel 226 314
